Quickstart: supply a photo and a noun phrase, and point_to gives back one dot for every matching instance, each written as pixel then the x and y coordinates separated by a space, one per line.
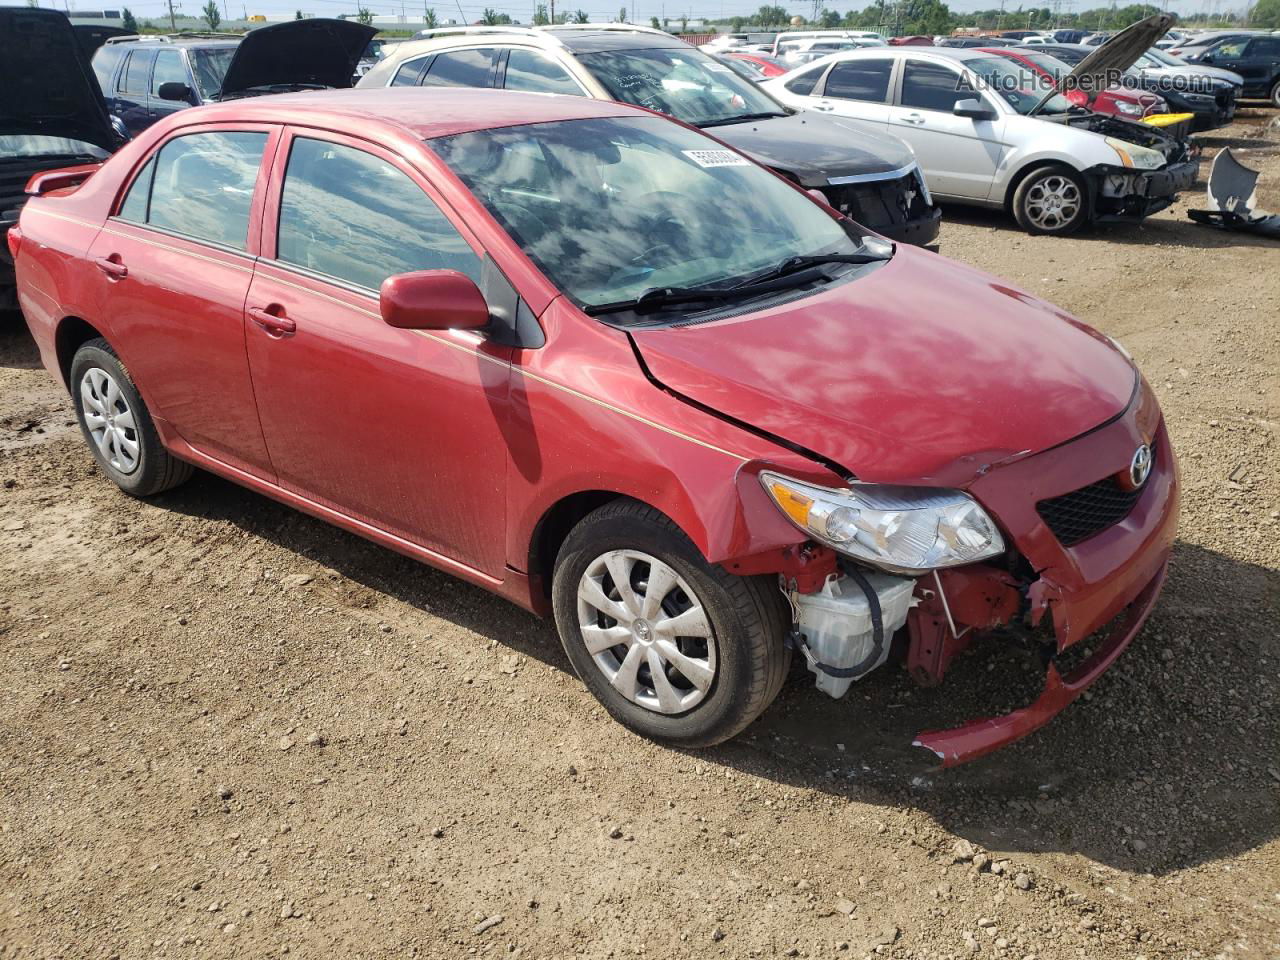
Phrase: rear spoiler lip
pixel 48 181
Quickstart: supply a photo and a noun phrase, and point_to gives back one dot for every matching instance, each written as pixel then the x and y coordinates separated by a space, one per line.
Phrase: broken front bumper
pixel 1121 193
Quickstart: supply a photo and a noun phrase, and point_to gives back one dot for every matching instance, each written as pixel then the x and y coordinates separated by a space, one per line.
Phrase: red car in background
pixel 762 67
pixel 913 41
pixel 1116 102
pixel 595 361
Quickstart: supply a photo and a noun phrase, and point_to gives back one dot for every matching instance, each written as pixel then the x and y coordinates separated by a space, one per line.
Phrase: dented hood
pixel 919 370
pixel 315 51
pixel 1099 70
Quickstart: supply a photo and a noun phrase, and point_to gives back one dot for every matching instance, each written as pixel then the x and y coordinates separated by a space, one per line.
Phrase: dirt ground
pixel 229 730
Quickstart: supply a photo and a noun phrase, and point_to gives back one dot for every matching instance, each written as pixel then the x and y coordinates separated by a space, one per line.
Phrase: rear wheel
pixel 117 426
pixel 674 648
pixel 1275 94
pixel 1051 200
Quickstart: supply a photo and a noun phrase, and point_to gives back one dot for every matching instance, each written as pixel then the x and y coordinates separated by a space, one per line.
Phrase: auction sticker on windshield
pixel 716 158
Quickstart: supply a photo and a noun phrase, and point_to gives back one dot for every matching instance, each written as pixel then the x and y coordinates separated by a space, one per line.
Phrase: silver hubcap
pixel 109 419
pixel 646 631
pixel 1053 202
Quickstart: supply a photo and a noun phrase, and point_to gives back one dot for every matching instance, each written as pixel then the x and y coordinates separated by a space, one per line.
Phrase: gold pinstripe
pixel 62 216
pixel 172 249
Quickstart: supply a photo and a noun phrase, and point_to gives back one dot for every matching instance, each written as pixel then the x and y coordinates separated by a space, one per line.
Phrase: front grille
pixel 880 203
pixel 1078 515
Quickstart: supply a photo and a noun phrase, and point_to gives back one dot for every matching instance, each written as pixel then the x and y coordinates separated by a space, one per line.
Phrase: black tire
pixel 156 469
pixel 1031 189
pixel 1275 94
pixel 747 616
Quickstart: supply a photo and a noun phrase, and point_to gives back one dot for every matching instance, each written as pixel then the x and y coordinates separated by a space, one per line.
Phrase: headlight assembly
pixel 1132 155
pixel 900 529
pixel 1129 109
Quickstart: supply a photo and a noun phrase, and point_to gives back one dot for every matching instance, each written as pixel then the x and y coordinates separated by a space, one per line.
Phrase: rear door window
pixel 201 187
pixel 357 218
pixel 1265 48
pixel 461 68
pixel 860 80
pixel 803 83
pixel 407 75
pixel 137 72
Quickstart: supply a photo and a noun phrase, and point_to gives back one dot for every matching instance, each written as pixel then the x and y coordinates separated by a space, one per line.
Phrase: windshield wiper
pixel 742 118
pixel 796 264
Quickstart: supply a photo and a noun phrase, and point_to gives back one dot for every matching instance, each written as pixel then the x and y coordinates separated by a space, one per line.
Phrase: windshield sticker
pixel 716 158
pixel 717 68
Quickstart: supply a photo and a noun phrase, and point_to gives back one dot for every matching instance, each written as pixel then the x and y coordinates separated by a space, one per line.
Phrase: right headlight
pixel 901 529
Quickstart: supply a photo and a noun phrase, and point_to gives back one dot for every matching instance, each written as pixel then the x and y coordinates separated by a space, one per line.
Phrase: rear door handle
pixel 112 266
pixel 276 326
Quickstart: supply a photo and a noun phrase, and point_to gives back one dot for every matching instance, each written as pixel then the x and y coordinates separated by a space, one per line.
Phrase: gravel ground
pixel 229 730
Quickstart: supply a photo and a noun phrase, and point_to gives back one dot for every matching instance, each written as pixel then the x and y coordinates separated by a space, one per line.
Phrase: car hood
pixel 316 51
pixel 921 370
pixel 1114 57
pixel 815 148
pixel 46 86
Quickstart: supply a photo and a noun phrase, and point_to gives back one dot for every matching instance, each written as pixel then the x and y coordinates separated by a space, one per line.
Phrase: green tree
pixel 581 17
pixel 127 20
pixel 655 23
pixel 684 24
pixel 491 18
pixel 297 15
pixel 212 14
pixel 768 16
pixel 540 18
pixel 622 15
pixel 829 18
pixel 1266 14
pixel 429 18
pixel 363 14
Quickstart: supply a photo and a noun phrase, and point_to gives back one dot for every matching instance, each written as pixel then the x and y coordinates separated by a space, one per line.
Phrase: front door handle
pixel 275 324
pixel 112 266
pixel 826 107
pixel 914 118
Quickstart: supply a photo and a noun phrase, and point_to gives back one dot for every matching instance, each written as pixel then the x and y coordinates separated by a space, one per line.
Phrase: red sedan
pixel 762 66
pixel 1116 102
pixel 527 340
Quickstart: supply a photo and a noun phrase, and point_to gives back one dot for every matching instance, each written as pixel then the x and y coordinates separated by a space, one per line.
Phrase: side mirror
pixel 172 90
pixel 973 109
pixel 433 300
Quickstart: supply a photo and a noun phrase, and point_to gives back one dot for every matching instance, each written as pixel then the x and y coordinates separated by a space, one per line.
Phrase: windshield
pixel 19 145
pixel 687 84
pixel 1159 56
pixel 210 66
pixel 612 207
pixel 1020 86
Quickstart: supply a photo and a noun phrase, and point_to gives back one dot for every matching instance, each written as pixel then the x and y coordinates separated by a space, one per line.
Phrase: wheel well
pixel 72 333
pixel 554 527
pixel 1029 169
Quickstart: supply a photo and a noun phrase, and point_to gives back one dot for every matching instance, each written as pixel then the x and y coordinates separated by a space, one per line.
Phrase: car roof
pixel 162 41
pixel 423 112
pixel 591 41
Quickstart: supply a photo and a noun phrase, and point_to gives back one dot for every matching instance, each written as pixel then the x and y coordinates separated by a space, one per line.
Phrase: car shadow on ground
pixel 1187 718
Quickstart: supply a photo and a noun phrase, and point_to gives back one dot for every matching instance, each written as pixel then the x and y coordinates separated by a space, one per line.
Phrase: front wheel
pixel 1051 200
pixel 676 649
pixel 1275 94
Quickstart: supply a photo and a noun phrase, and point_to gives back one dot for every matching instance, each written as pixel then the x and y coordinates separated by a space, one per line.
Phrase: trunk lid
pixel 921 370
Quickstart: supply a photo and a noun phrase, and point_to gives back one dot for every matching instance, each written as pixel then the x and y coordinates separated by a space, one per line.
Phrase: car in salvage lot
pixel 986 133
pixel 525 339
pixel 863 172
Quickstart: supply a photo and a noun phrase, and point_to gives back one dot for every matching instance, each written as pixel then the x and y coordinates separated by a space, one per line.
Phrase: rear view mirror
pixel 433 300
pixel 974 110
pixel 172 90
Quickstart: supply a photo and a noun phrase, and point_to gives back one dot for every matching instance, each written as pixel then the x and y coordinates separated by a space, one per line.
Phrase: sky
pixel 597 9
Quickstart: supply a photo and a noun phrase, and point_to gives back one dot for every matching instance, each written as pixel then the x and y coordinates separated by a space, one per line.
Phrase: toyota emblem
pixel 1140 466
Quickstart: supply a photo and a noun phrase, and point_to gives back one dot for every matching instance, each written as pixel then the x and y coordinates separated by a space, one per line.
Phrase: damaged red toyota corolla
pixel 600 364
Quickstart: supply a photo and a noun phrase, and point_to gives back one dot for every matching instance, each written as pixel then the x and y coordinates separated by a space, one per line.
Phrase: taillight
pixel 14 238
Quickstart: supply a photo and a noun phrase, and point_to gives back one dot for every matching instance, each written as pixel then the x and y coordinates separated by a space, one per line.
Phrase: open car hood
pixel 46 86
pixel 316 52
pixel 1098 70
pixel 920 370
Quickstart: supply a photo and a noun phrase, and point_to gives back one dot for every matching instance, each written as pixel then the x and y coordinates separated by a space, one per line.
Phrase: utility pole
pixel 173 23
pixel 553 11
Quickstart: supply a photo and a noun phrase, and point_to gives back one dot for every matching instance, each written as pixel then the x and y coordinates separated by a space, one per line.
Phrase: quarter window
pixel 533 72
pixel 802 84
pixel 168 69
pixel 203 187
pixel 461 68
pixel 136 72
pixel 931 86
pixel 135 202
pixel 357 218
pixel 860 80
pixel 407 75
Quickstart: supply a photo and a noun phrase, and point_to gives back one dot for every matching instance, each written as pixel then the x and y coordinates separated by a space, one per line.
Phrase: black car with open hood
pixel 51 112
pixel 298 54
